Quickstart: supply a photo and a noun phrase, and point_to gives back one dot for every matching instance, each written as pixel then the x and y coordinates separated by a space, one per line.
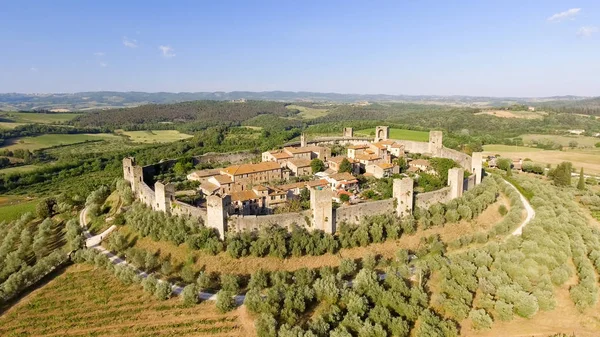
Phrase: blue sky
pixel 495 48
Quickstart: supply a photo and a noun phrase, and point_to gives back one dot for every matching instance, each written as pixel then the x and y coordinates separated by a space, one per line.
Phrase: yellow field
pixel 588 159
pixel 308 113
pixel 582 141
pixel 514 114
pixel 50 140
pixel 156 136
pixel 85 301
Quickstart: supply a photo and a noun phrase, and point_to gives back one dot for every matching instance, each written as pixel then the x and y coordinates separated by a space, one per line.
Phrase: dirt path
pixel 530 211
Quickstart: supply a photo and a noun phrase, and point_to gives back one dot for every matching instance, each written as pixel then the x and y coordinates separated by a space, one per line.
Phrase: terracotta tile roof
pixel 223 179
pixel 366 157
pixel 339 159
pixel 243 195
pixel 387 142
pixel 260 188
pixel 314 183
pixel 397 146
pixel 206 186
pixel 359 147
pixel 281 155
pixel 206 173
pixel 385 166
pixel 287 187
pixel 379 145
pixel 236 170
pixel 295 150
pixel 342 176
pixel 300 162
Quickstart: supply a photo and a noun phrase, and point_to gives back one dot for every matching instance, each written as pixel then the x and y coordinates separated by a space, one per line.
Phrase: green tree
pixel 504 164
pixel 189 294
pixel 573 144
pixel 163 290
pixel 225 301
pixel 46 208
pixel 561 175
pixel 581 182
pixel 345 166
pixel 317 165
pixel 344 198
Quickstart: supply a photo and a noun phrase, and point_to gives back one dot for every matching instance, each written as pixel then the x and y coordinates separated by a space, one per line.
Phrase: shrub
pixel 480 318
pixel 225 301
pixel 230 283
pixel 502 210
pixel 163 291
pixel 190 294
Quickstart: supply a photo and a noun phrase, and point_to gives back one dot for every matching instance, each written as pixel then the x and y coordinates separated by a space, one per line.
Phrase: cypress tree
pixel 581 183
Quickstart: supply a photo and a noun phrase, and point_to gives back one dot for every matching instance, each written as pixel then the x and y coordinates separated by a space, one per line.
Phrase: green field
pixel 156 136
pixel 50 140
pixel 19 169
pixel 419 136
pixel 11 208
pixel 27 117
pixel 10 125
pixel 308 113
pixel 582 141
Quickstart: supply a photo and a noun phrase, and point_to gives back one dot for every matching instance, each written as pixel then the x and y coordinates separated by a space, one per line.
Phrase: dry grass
pixel 223 263
pixel 564 318
pixel 85 301
pixel 514 114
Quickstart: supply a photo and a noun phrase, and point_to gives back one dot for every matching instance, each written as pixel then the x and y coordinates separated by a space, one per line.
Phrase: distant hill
pixel 203 113
pixel 111 99
pixel 590 106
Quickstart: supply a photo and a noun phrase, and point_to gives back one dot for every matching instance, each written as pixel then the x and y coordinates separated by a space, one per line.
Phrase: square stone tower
pixel 382 133
pixel 217 212
pixel 321 204
pixel 128 164
pixel 303 140
pixel 435 143
pixel 403 193
pixel 456 177
pixel 163 194
pixel 477 166
pixel 348 133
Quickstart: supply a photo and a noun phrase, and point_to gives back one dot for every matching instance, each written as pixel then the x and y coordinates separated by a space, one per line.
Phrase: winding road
pixel 94 241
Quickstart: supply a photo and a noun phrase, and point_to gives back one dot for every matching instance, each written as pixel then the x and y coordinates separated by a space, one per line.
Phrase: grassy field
pixel 582 141
pixel 155 136
pixel 10 125
pixel 12 207
pixel 308 113
pixel 84 301
pixel 588 159
pixel 19 169
pixel 419 136
pixel 24 117
pixel 50 140
pixel 514 114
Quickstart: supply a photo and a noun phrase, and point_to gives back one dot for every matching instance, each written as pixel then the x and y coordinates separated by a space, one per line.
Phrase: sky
pixel 477 48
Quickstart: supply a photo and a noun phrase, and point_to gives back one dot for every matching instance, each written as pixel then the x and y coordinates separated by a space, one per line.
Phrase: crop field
pixel 50 140
pixel 25 117
pixel 514 114
pixel 19 169
pixel 308 113
pixel 582 141
pixel 9 125
pixel 155 136
pixel 419 136
pixel 589 159
pixel 224 263
pixel 108 145
pixel 12 207
pixel 84 301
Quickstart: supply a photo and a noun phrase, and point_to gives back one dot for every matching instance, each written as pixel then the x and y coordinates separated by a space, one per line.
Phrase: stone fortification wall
pixel 183 209
pixel 145 194
pixel 414 147
pixel 469 182
pixel 462 158
pixel 252 222
pixel 215 158
pixel 353 213
pixel 425 200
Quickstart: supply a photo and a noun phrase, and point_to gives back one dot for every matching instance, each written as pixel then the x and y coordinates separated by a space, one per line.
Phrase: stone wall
pixel 425 200
pixel 252 222
pixel 183 209
pixel 215 158
pixel 414 147
pixel 145 194
pixel 353 213
pixel 461 158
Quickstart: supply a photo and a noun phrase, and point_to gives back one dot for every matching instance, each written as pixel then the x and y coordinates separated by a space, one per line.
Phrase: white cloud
pixel 33 69
pixel 568 14
pixel 129 43
pixel 587 31
pixel 103 64
pixel 167 51
pixel 99 54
